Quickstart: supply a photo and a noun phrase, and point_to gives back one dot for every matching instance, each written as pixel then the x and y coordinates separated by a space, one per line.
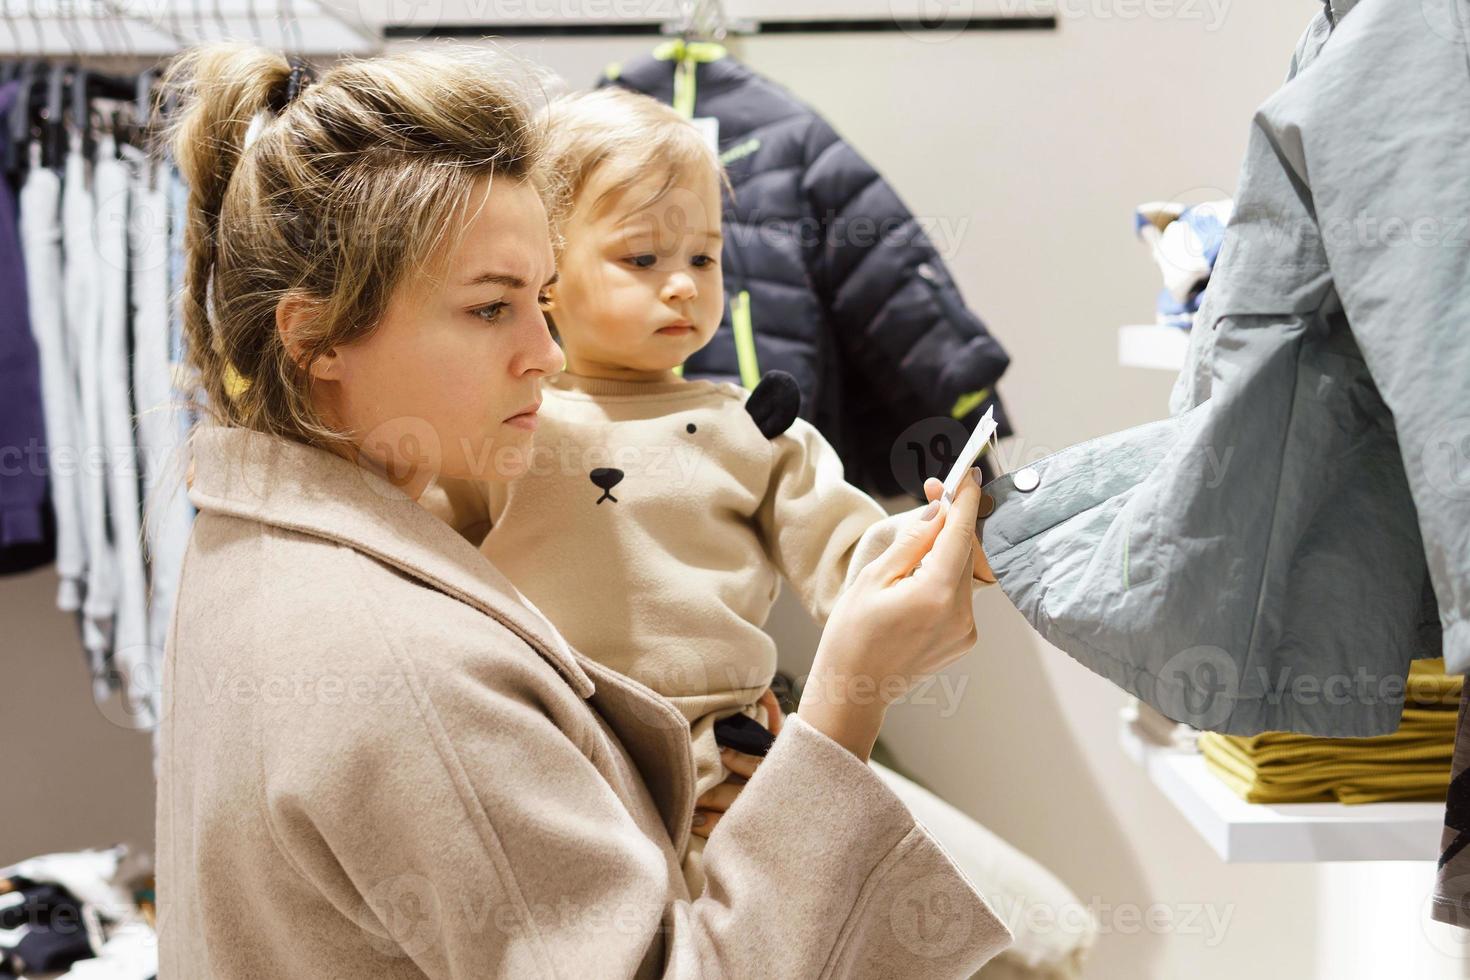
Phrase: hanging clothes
pixel 40 224
pixel 166 512
pixel 111 184
pixel 80 273
pixel 830 277
pixel 27 529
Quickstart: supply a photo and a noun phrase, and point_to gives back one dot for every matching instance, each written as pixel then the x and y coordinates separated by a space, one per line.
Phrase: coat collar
pixel 287 484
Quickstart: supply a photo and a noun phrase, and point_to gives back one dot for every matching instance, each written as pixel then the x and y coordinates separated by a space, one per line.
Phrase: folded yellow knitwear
pixel 1413 763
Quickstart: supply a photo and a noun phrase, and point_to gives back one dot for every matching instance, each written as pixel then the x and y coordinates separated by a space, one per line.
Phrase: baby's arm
pixel 816 525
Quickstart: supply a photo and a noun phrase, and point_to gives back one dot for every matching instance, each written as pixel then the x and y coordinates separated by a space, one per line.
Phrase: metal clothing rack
pixel 115 29
pixel 653 28
pixel 706 20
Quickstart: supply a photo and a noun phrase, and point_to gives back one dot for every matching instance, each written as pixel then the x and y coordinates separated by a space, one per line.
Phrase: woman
pixel 378 759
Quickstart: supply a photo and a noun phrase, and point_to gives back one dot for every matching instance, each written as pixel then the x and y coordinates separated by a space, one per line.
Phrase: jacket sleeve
pixel 898 316
pixel 812 520
pixel 466 828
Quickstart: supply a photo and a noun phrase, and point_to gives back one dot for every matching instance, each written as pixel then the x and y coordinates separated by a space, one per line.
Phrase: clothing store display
pixel 1270 536
pixel 26 534
pixel 101 235
pixel 401 798
pixel 40 226
pixel 1185 242
pixel 829 276
pixel 1413 763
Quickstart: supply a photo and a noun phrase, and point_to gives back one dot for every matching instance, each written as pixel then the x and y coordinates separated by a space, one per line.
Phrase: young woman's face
pixel 449 382
pixel 641 287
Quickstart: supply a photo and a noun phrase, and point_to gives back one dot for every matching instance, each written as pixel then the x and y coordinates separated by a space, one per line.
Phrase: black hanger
pixel 53 146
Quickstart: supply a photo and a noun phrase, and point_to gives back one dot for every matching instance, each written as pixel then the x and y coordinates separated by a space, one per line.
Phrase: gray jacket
pixel 1268 558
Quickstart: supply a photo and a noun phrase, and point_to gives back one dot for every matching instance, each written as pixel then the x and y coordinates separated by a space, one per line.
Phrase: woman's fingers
pixel 912 543
pixel 954 547
pixel 933 488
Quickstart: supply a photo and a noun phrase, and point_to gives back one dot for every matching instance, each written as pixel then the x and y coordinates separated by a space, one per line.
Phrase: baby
pixel 656 514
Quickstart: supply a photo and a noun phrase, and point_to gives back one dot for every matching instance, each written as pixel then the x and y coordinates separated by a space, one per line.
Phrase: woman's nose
pixel 541 354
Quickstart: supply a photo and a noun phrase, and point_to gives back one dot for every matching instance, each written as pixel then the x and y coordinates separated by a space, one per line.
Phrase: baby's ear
pixel 773 403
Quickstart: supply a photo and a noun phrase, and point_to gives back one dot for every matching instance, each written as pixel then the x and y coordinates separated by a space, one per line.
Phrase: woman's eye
pixel 703 261
pixel 642 261
pixel 492 312
pixel 543 299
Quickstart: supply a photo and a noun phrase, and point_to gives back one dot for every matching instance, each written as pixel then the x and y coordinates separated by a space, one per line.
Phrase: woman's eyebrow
pixel 505 279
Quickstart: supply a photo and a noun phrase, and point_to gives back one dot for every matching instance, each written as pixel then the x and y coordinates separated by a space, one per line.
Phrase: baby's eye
pixel 491 312
pixel 703 261
pixel 642 261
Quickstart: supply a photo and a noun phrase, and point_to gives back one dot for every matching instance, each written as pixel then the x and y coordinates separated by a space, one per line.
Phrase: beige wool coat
pixel 378 760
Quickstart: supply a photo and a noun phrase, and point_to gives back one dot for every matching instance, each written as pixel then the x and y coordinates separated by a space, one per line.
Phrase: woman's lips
pixel 677 330
pixel 526 420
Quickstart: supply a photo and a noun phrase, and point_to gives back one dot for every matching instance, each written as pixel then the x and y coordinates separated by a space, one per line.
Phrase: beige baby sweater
pixel 653 526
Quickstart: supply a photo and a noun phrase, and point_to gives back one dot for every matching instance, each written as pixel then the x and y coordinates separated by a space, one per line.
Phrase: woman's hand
pixel 907 614
pixel 933 490
pixel 712 805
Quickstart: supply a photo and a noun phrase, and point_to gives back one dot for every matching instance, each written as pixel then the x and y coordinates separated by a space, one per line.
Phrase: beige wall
pixel 1034 147
pixel 70 776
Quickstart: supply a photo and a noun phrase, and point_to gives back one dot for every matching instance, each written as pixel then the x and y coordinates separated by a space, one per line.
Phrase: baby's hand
pixel 712 805
pixel 933 489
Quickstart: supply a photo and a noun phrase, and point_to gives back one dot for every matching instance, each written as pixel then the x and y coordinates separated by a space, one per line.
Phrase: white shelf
pixel 1242 832
pixel 1149 345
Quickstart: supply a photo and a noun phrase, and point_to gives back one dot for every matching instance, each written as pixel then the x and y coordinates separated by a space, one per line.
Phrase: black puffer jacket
pixel 830 278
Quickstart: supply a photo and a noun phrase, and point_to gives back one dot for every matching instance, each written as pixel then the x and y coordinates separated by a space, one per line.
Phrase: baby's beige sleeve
pixel 812 519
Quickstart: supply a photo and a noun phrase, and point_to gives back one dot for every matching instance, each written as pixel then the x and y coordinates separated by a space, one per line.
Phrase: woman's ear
pixel 293 316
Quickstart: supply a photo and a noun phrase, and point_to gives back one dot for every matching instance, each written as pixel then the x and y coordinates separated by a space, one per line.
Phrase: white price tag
pixel 984 430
